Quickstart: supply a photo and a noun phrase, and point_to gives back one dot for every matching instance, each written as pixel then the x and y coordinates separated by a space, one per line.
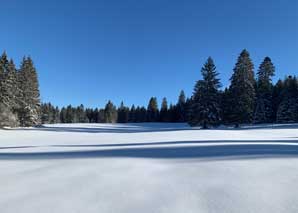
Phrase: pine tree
pixel 277 96
pixel 206 106
pixel 29 114
pixel 152 110
pixel 123 113
pixel 181 108
pixel 9 98
pixel 264 107
pixel 242 91
pixel 164 117
pixel 110 113
pixel 288 108
pixel 132 114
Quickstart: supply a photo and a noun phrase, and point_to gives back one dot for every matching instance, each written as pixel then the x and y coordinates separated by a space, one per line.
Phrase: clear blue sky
pixel 91 51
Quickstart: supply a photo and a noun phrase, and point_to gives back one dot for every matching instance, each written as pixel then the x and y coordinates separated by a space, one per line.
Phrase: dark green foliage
pixel 164 113
pixel 29 114
pixel 242 91
pixel 277 96
pixel 49 114
pixel 205 109
pixel 123 113
pixel 152 110
pixel 181 108
pixel 288 108
pixel 110 113
pixel 264 89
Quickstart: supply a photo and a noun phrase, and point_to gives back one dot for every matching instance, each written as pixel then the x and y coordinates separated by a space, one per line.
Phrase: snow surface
pixel 148 168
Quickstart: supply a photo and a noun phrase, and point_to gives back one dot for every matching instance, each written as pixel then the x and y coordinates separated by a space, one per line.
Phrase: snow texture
pixel 148 168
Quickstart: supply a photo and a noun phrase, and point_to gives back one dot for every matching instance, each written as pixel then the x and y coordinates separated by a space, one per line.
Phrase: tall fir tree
pixel 277 96
pixel 152 110
pixel 164 114
pixel 110 113
pixel 206 106
pixel 123 113
pixel 29 114
pixel 181 107
pixel 242 90
pixel 264 108
pixel 288 108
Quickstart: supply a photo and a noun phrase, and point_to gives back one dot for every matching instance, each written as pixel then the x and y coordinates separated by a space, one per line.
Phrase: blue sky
pixel 92 51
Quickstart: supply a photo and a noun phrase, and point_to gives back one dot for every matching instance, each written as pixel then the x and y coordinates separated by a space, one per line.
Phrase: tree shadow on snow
pixel 237 151
pixel 145 127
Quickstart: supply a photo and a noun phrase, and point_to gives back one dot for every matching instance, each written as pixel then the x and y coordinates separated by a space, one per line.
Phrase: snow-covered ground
pixel 148 168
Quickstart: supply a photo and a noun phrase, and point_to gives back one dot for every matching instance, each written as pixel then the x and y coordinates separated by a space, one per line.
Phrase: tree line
pixel 248 99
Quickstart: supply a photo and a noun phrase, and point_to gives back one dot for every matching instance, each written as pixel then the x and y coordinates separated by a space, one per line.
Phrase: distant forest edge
pixel 248 99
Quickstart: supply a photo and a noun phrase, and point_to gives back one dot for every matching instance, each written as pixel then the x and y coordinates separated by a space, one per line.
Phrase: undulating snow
pixel 148 168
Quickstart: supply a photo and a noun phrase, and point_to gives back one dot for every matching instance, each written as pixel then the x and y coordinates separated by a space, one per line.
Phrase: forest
pixel 250 98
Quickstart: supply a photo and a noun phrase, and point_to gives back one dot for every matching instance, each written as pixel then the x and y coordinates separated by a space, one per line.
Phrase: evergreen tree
pixel 110 113
pixel 242 91
pixel 81 114
pixel 277 97
pixel 206 106
pixel 8 92
pixel 152 110
pixel 264 107
pixel 132 114
pixel 181 108
pixel 164 117
pixel 29 114
pixel 288 108
pixel 123 113
pixel 69 114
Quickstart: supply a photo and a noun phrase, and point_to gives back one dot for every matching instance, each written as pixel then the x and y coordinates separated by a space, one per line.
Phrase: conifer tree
pixel 152 110
pixel 242 91
pixel 288 108
pixel 29 114
pixel 132 114
pixel 264 107
pixel 206 106
pixel 123 113
pixel 164 117
pixel 110 113
pixel 181 108
pixel 277 96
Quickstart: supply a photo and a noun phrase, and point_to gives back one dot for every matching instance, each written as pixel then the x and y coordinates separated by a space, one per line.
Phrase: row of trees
pixel 122 114
pixel 248 99
pixel 19 93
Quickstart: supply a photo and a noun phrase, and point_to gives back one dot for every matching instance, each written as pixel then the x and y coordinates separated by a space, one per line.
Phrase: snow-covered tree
pixel 29 113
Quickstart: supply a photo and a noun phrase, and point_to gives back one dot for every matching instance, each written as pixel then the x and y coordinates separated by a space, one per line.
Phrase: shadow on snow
pixel 216 151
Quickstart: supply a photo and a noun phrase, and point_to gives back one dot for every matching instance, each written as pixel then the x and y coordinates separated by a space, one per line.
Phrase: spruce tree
pixel 9 98
pixel 277 96
pixel 264 107
pixel 164 111
pixel 242 91
pixel 132 114
pixel 29 114
pixel 110 113
pixel 288 109
pixel 206 106
pixel 123 113
pixel 181 108
pixel 152 110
